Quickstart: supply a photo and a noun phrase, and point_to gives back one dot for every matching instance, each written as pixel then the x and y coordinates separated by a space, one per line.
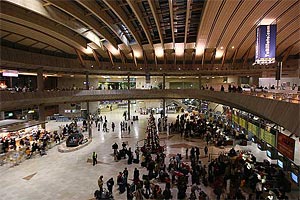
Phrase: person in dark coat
pixel 110 183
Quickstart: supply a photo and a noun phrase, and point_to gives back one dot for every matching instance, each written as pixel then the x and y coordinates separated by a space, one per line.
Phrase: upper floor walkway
pixel 283 113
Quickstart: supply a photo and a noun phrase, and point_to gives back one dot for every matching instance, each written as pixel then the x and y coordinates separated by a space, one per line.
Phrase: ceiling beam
pixel 246 56
pixel 79 14
pixel 234 57
pixel 123 57
pixel 172 21
pixel 110 58
pixel 213 57
pixel 96 58
pixel 113 5
pixel 94 8
pixel 224 57
pixel 4 36
pixel 187 17
pixel 203 58
pixel 287 52
pixel 156 19
pixel 80 57
pixel 135 8
pixel 145 59
pixel 134 58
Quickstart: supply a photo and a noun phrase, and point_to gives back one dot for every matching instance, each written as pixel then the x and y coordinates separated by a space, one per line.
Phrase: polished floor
pixel 68 176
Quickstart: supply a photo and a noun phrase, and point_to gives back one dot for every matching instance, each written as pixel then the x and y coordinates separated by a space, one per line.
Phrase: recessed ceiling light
pixel 141 68
pixel 248 76
pixel 213 77
pixel 232 47
pixel 160 69
pixel 72 75
pixel 119 67
pixel 217 68
pixel 198 68
pixel 92 66
pixel 179 68
pixel 222 48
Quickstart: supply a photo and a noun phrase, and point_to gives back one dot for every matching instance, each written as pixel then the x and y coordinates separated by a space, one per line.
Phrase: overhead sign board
pixel 265 50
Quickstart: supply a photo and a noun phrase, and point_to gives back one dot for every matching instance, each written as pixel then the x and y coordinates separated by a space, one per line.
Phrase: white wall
pixel 268 82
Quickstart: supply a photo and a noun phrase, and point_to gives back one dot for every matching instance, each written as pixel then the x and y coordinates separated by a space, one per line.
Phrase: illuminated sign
pixel 265 50
pixel 10 73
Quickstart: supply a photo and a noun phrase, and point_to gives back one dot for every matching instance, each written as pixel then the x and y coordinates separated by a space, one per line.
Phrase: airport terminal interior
pixel 150 99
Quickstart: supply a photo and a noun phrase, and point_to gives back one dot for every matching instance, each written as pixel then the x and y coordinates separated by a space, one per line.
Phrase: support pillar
pixel 200 83
pixel 128 87
pixel 40 80
pixel 2 115
pixel 87 87
pixel 42 116
pixel 164 100
pixel 164 82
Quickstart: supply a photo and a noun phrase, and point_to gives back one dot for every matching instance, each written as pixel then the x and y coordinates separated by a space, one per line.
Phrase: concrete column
pixel 200 84
pixel 40 80
pixel 2 115
pixel 164 82
pixel 164 107
pixel 128 108
pixel 87 87
pixel 42 116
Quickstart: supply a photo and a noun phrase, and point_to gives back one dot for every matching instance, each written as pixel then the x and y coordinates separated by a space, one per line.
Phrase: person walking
pixel 94 156
pixel 100 184
pixel 205 151
pixel 113 126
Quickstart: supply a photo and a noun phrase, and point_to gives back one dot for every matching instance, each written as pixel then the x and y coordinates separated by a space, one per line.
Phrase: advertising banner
pixel 265 50
pixel 286 145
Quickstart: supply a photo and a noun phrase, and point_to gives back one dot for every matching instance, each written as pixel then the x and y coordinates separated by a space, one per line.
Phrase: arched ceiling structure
pixel 197 33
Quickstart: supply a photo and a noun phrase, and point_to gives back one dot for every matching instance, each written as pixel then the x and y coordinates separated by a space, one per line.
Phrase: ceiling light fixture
pixel 232 47
pixel 222 48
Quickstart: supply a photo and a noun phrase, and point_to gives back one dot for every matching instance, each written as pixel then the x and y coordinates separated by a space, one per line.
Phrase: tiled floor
pixel 68 176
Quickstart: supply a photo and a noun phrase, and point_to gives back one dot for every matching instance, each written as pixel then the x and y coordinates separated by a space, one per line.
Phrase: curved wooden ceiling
pixel 147 31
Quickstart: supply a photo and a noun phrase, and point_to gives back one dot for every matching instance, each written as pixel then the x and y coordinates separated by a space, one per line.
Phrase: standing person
pixel 205 151
pixel 100 184
pixel 113 126
pixel 125 175
pixel 94 158
pixel 187 153
pixel 129 129
pixel 137 153
pixel 110 183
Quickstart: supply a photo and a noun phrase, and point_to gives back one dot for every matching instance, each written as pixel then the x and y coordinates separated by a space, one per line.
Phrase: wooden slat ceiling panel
pixel 220 25
pixel 13 37
pixel 34 34
pixel 289 41
pixel 27 42
pixel 51 49
pixel 208 17
pixel 250 22
pixel 272 15
pixel 3 33
pixel 287 31
pixel 296 49
pixel 236 21
pixel 39 45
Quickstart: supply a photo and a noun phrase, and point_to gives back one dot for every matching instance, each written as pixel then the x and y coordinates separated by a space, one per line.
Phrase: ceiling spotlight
pixel 213 77
pixel 198 68
pixel 119 67
pixel 248 76
pixel 92 66
pixel 217 68
pixel 179 68
pixel 232 47
pixel 141 68
pixel 222 48
pixel 160 69
pixel 72 75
